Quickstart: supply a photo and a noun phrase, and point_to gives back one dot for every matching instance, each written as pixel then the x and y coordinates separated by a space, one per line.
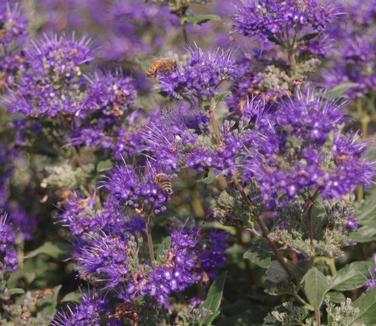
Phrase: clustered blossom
pixel 200 77
pixel 302 150
pixel 13 32
pixel 88 312
pixel 8 253
pixel 353 62
pixel 106 112
pixel 187 262
pixel 271 19
pixel 138 189
pixel 13 24
pixel 105 260
pixel 52 84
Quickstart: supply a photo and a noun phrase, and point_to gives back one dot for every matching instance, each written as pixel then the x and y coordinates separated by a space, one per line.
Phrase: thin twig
pixel 265 234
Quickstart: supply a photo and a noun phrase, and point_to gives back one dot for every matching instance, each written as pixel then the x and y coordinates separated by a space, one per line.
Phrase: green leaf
pixel 220 98
pixel 49 303
pixel 201 19
pixel 260 254
pixel 210 178
pixel 340 90
pixel 368 210
pixel 213 299
pixel 367 305
pixel 308 37
pixel 72 297
pixel 54 250
pixel 336 297
pixel 364 234
pixel 163 249
pixel 316 286
pixel 104 166
pixel 15 291
pixel 351 277
pixel 276 273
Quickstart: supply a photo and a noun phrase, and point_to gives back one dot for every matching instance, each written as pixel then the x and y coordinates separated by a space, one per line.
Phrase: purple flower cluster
pixel 88 312
pixel 301 150
pixel 140 190
pixel 8 253
pixel 190 259
pixel 354 61
pixel 277 21
pixel 52 84
pixel 13 32
pixel 200 77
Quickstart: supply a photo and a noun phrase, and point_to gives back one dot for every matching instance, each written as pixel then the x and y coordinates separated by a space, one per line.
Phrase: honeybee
pixel 164 65
pixel 164 182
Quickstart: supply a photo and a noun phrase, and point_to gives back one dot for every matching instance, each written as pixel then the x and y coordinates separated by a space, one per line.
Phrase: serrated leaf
pixel 364 234
pixel 54 250
pixel 316 286
pixel 163 248
pixel 367 305
pixel 336 297
pixel 72 297
pixel 340 90
pixel 104 166
pixel 259 254
pixel 213 299
pixel 201 19
pixel 368 211
pixel 351 277
pixel 275 273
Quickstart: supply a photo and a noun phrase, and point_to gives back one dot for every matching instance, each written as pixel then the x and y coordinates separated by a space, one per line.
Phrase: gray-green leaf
pixel 54 250
pixel 316 286
pixel 213 299
pixel 259 254
pixel 367 305
pixel 351 277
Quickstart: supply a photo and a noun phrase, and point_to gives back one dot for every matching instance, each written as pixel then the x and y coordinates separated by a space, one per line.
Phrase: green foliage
pixel 367 308
pixel 200 19
pixel 260 253
pixel 316 285
pixel 351 277
pixel 55 250
pixel 213 300
pixel 367 220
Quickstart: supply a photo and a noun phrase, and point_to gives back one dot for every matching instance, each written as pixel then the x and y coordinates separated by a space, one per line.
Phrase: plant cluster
pixel 187 162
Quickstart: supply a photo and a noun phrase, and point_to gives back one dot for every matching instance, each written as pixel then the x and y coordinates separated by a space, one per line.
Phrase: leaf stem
pixel 150 239
pixel 318 317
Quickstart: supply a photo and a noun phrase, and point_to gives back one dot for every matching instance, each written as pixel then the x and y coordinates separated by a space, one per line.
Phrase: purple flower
pixel 200 77
pixel 291 151
pixel 138 189
pixel 280 21
pixel 8 253
pixel 104 260
pixel 53 83
pixel 88 312
pixel 110 94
